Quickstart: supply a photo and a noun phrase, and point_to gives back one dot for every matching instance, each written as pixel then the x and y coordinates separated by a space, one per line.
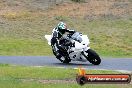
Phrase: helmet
pixel 62 26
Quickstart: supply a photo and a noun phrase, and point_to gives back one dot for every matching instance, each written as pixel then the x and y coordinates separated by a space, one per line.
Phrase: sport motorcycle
pixel 75 47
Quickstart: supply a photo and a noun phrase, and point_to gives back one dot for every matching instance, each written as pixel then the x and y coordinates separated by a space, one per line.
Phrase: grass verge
pixel 24 47
pixel 11 77
pixel 108 37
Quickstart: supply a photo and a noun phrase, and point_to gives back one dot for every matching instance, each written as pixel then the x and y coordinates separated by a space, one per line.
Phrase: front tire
pixel 93 57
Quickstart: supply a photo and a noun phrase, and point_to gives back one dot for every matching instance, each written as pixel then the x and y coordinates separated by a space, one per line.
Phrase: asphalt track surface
pixel 107 63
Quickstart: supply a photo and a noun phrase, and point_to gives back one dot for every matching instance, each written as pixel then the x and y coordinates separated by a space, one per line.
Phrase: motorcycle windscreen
pixel 79 46
pixel 76 36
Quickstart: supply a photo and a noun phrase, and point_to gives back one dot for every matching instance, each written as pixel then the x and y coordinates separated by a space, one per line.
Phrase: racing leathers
pixel 56 35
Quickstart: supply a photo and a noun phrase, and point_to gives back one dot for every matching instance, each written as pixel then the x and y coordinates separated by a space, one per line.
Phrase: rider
pixel 57 33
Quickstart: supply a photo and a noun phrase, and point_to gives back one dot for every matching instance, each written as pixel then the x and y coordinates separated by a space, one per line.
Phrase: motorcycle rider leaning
pixel 57 33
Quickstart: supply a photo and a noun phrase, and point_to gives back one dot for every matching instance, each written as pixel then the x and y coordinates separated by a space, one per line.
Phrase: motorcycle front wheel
pixel 93 57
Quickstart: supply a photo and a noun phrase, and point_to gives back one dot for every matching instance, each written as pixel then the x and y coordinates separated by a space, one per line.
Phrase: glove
pixel 68 43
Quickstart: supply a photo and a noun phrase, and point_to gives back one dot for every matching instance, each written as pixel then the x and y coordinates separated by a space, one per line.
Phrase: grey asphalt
pixel 107 63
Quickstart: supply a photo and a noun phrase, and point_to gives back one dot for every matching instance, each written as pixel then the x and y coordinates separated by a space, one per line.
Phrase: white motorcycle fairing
pixel 75 54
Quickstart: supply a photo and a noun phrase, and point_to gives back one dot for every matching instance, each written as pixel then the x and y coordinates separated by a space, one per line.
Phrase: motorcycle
pixel 76 48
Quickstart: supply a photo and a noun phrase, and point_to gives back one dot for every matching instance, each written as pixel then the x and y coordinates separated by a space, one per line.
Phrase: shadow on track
pixel 72 64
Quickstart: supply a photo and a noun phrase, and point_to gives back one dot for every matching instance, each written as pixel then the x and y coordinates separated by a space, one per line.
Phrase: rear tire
pixel 93 57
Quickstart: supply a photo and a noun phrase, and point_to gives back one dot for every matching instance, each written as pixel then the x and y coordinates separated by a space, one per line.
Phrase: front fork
pixel 85 53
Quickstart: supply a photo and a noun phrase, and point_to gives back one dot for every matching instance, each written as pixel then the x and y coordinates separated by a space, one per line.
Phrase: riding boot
pixel 58 56
pixel 67 60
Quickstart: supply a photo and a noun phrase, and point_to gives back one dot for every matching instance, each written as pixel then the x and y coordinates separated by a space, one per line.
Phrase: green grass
pixel 19 84
pixel 36 73
pixel 10 77
pixel 20 72
pixel 108 37
pixel 24 47
pixel 21 33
